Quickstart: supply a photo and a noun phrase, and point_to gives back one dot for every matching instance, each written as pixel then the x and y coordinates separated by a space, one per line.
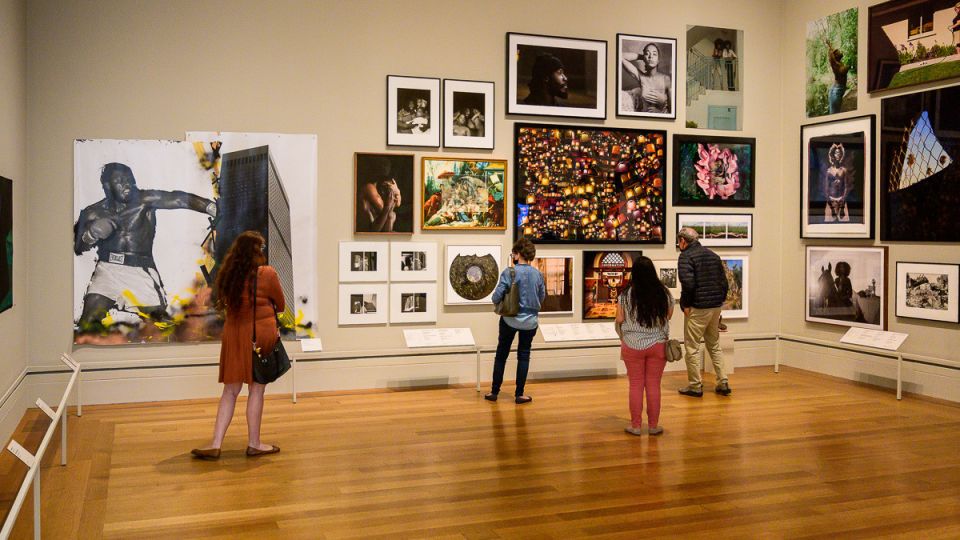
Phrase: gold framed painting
pixel 463 194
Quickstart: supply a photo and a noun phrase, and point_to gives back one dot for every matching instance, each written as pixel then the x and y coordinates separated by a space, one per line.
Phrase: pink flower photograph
pixel 713 171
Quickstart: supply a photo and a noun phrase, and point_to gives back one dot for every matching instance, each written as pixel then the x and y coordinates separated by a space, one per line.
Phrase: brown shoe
pixel 210 454
pixel 253 452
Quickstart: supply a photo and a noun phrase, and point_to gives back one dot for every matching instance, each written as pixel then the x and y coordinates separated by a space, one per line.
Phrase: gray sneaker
pixel 633 430
pixel 655 431
pixel 723 389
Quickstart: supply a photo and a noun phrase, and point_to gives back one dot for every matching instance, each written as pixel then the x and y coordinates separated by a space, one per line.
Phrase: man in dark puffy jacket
pixel 704 289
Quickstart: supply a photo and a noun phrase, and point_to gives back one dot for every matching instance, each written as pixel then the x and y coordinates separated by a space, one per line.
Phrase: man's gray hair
pixel 688 234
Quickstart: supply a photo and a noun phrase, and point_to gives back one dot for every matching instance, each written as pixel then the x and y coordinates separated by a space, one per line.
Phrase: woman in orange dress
pixel 233 290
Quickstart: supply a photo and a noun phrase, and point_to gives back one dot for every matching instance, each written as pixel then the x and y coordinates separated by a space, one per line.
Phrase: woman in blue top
pixel 532 291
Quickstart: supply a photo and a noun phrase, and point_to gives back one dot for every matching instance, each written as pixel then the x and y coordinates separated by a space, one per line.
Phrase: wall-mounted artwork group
pixel 366 297
pixel 578 184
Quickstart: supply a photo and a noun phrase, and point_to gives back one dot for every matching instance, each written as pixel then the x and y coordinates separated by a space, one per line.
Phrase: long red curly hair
pixel 243 258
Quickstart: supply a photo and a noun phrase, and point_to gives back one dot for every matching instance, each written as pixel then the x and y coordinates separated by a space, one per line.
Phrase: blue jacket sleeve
pixel 502 286
pixel 541 288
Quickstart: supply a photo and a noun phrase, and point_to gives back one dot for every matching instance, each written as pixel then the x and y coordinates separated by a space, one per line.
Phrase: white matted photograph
pixel 363 303
pixel 928 291
pixel 646 80
pixel 413 111
pixel 472 273
pixel 363 261
pixel 468 114
pixel 720 230
pixel 413 261
pixel 737 270
pixel 847 286
pixel 413 303
pixel 669 276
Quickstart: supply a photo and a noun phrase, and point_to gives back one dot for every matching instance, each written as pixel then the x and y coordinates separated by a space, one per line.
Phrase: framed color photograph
pixel 928 291
pixel 605 275
pixel 413 303
pixel 646 76
pixel 836 178
pixel 472 273
pixel 919 168
pixel 912 42
pixel 383 193
pixel 737 270
pixel 363 261
pixel 413 111
pixel 832 73
pixel 720 230
pixel 556 76
pixel 714 77
pixel 669 276
pixel 468 114
pixel 713 171
pixel 589 185
pixel 363 303
pixel 558 278
pixel 413 261
pixel 463 194
pixel 847 286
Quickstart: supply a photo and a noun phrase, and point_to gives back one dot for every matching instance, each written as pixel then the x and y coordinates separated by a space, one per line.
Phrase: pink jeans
pixel 644 370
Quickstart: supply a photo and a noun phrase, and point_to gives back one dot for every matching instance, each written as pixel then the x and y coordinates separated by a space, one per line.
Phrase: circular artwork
pixel 474 277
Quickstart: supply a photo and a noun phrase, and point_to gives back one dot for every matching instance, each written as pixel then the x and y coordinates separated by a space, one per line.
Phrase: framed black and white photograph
pixel 669 275
pixel 720 230
pixel 737 270
pixel 363 261
pixel 646 76
pixel 363 303
pixel 413 111
pixel 928 291
pixel 556 76
pixel 468 114
pixel 558 280
pixel 837 172
pixel 472 273
pixel 847 286
pixel 413 261
pixel 413 302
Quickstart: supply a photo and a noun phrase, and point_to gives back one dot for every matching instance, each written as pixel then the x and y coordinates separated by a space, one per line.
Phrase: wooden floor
pixel 793 455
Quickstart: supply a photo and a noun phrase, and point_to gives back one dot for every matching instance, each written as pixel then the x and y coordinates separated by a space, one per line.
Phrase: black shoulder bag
pixel 269 367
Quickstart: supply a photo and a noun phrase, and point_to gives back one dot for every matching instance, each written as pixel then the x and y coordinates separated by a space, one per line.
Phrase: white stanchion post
pixel 63 440
pixel 293 376
pixel 776 361
pixel 478 369
pixel 899 376
pixel 79 386
pixel 36 504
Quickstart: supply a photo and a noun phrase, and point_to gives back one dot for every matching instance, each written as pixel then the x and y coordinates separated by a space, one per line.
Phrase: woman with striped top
pixel 643 324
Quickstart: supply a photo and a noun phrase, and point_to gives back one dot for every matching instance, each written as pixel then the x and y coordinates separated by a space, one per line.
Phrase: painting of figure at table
pixel 605 275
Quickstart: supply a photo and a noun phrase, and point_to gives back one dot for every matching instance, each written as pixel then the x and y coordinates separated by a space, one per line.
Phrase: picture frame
pixel 375 177
pixel 462 194
pixel 472 273
pixel 556 76
pixel 468 114
pixel 363 261
pixel 413 303
pixel 413 261
pixel 719 230
pixel 714 79
pixel 837 178
pixel 559 282
pixel 737 270
pixel 832 74
pixel 413 111
pixel 605 275
pixel 929 291
pixel 718 172
pixel 646 76
pixel 909 42
pixel 362 303
pixel 919 173
pixel 669 275
pixel 856 296
pixel 589 185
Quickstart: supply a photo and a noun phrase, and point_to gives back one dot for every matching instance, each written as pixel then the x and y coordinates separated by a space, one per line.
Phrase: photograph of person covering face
pixel 384 193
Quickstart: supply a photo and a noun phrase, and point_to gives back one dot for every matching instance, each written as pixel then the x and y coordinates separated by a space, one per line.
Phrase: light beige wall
pixel 926 338
pixel 125 69
pixel 13 137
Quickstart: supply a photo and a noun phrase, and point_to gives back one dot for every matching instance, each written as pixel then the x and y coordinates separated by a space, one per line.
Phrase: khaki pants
pixel 702 323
